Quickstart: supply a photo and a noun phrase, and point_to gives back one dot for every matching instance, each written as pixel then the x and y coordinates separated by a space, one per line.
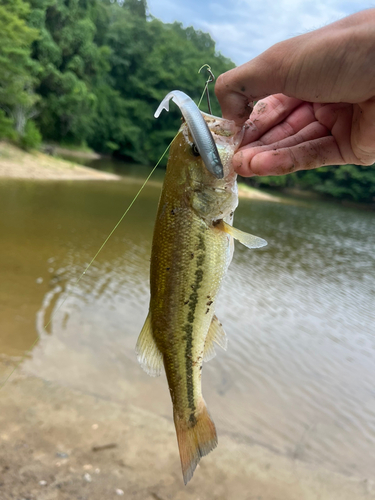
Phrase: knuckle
pixel 288 129
pixel 294 162
pixel 221 84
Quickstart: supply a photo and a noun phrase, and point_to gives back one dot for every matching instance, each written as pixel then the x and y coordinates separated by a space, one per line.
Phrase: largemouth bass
pixel 191 251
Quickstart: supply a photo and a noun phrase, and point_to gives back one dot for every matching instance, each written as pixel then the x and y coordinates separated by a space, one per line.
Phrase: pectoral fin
pixel 148 354
pixel 249 240
pixel 215 334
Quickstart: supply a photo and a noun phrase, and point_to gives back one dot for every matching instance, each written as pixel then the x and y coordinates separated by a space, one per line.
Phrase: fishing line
pixel 2 384
pixel 89 265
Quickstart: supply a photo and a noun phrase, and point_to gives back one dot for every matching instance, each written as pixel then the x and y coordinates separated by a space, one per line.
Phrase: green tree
pixel 147 60
pixel 18 70
pixel 95 71
pixel 69 59
pixel 351 182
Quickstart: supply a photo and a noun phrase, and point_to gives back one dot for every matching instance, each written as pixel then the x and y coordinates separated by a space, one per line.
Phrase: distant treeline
pixel 351 182
pixel 92 72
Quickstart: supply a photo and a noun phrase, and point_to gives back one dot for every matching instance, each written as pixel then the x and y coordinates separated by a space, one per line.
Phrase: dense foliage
pixel 17 69
pixel 352 182
pixel 104 68
pixel 93 72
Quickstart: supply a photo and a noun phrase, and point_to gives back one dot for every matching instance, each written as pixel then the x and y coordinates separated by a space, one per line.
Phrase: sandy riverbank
pixel 19 164
pixel 245 191
pixel 76 153
pixel 57 443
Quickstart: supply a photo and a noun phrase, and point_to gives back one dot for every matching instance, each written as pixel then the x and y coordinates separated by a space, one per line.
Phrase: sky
pixel 242 29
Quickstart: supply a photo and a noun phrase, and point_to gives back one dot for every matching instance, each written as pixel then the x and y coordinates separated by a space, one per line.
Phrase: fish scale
pixel 191 251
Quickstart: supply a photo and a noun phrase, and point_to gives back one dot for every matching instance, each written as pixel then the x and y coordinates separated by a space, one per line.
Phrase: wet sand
pixel 245 191
pixel 16 163
pixel 57 443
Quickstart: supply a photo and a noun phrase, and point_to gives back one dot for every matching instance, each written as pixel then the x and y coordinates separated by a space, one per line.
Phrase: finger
pixel 338 117
pixel 363 132
pixel 266 114
pixel 297 120
pixel 243 158
pixel 305 156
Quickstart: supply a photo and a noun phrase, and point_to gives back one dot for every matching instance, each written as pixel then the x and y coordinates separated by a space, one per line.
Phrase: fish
pixel 191 250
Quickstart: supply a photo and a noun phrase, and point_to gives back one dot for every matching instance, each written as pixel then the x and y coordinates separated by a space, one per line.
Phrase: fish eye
pixel 195 150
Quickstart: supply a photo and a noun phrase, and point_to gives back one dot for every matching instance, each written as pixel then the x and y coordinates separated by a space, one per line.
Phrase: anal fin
pixel 216 334
pixel 148 354
pixel 247 239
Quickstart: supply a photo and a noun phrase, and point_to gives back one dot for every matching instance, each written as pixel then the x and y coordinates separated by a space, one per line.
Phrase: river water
pixel 298 375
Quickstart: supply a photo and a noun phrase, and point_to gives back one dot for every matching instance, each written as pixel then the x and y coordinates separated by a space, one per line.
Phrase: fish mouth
pixel 225 132
pixel 200 131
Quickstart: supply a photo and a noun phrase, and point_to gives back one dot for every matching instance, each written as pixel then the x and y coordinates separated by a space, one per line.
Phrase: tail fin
pixel 195 440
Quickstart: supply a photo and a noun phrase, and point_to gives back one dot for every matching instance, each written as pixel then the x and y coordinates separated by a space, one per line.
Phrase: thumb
pixel 238 88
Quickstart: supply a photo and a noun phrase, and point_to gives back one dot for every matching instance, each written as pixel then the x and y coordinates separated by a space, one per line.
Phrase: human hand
pixel 325 113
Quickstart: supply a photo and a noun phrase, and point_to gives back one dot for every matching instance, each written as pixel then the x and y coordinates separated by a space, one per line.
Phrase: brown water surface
pixel 298 376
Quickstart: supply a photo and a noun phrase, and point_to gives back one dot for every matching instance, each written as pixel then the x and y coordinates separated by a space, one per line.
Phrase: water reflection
pixel 299 370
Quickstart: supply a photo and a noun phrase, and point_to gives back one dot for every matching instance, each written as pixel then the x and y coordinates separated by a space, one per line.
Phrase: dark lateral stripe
pixel 188 327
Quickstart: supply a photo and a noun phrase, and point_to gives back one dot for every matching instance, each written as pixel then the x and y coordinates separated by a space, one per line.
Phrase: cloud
pixel 243 29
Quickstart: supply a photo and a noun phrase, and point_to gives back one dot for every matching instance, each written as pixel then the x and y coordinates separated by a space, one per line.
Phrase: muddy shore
pixel 18 164
pixel 57 443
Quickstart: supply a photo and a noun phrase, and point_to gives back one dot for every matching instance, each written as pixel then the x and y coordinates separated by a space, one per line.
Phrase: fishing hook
pixel 210 80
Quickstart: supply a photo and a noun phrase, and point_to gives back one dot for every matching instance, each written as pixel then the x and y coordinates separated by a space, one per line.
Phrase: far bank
pixel 19 164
